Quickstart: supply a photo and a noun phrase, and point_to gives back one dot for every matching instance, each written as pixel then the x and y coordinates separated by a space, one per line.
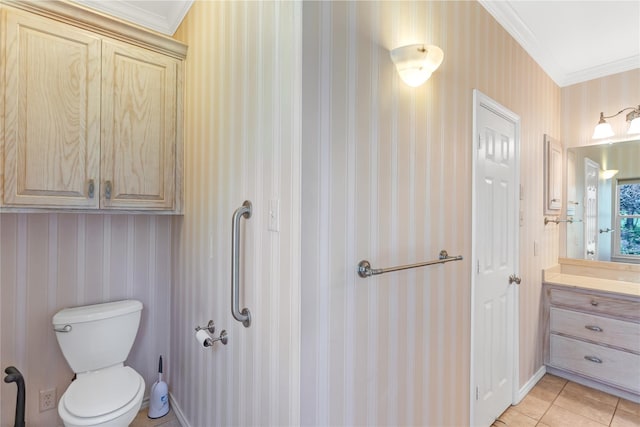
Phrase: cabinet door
pixel 138 152
pixel 52 113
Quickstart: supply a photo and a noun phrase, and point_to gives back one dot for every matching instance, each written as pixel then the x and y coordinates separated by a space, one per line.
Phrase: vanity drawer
pixel 608 365
pixel 604 330
pixel 596 303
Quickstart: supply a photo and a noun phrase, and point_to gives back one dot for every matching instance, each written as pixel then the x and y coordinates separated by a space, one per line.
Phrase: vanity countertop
pixel 554 275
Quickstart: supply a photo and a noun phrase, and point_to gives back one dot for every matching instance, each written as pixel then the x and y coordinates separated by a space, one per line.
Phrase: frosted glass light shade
pixel 602 130
pixel 415 63
pixel 634 126
pixel 608 174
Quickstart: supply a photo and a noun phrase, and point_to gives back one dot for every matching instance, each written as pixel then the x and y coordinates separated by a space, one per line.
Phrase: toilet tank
pixel 96 336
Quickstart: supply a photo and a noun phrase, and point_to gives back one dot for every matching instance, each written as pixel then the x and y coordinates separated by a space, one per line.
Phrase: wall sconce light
pixel 416 62
pixel 608 173
pixel 604 130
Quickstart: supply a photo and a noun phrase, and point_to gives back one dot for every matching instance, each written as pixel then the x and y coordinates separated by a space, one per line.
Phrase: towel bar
pixel 365 270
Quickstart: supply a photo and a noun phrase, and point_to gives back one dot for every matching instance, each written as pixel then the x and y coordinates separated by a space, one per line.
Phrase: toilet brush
pixel 159 397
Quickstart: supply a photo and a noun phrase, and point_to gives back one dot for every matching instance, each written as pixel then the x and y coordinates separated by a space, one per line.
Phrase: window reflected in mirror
pixel 627 239
pixel 603 198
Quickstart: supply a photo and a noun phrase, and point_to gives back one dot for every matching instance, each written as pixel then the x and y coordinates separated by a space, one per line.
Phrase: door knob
pixel 514 279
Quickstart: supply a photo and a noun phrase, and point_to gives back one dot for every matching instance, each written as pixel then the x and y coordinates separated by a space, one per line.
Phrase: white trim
pixel 178 411
pixel 508 18
pixel 602 70
pixel 480 99
pixel 526 388
pixel 164 17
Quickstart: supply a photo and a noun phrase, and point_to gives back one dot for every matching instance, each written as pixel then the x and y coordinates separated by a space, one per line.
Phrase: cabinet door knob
pixel 594 303
pixel 107 190
pixel 593 359
pixel 92 188
pixel 593 328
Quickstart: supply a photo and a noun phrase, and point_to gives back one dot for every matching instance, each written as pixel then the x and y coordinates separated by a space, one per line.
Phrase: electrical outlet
pixel 47 399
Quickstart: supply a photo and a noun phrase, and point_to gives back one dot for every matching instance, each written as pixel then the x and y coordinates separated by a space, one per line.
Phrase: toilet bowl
pixel 110 397
pixel 95 341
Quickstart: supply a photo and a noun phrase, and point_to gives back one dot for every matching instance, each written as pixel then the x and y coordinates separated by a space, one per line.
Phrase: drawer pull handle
pixel 593 359
pixel 107 191
pixel 91 189
pixel 594 303
pixel 594 328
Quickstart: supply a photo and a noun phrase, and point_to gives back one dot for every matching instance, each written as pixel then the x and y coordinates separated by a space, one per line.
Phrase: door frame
pixel 481 100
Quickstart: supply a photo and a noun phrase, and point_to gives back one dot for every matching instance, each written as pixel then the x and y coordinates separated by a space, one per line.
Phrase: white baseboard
pixel 178 411
pixel 530 384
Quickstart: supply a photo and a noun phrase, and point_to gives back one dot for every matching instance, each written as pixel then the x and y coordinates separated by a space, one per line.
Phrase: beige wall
pixel 387 177
pixel 242 136
pixel 51 261
pixel 583 102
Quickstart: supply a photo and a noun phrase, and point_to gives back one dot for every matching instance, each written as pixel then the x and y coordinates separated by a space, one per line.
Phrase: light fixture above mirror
pixel 603 128
pixel 608 173
pixel 415 63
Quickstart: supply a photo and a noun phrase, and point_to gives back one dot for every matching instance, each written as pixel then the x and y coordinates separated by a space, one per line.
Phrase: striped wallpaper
pixel 299 103
pixel 52 261
pixel 387 177
pixel 242 142
pixel 581 107
pixel 583 102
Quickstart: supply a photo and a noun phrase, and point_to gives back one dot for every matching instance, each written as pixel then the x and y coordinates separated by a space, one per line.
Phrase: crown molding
pixel 511 22
pixel 78 15
pixel 507 17
pixel 166 21
pixel 615 67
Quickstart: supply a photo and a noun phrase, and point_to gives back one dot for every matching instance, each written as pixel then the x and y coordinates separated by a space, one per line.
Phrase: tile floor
pixel 556 402
pixel 141 420
pixel 553 402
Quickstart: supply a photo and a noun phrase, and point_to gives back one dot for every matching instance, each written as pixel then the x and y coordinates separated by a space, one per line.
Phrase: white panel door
pixel 495 246
pixel 591 173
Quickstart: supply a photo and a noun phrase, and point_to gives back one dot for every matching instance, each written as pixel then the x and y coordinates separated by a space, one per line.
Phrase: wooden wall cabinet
pixel 90 122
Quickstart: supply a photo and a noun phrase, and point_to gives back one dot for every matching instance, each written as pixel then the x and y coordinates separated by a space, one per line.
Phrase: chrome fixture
pixel 606 230
pixel 514 279
pixel 593 359
pixel 558 220
pixel 211 328
pixel 243 316
pixel 415 63
pixel 604 130
pixel 365 270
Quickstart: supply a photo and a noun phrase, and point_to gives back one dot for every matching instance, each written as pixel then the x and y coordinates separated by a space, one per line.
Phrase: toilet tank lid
pixel 88 313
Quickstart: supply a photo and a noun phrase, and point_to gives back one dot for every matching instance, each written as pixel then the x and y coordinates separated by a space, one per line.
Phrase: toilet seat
pixel 97 397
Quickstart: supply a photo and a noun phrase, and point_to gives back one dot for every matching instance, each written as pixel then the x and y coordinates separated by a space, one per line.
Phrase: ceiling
pixel 573 41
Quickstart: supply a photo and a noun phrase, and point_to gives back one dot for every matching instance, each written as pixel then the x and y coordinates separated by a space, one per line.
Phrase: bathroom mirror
pixel 603 199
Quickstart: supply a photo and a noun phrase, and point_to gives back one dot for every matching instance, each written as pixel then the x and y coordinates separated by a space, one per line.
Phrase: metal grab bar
pixel 243 316
pixel 365 270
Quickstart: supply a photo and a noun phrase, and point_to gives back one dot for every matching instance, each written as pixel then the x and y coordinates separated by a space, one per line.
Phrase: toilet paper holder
pixel 211 328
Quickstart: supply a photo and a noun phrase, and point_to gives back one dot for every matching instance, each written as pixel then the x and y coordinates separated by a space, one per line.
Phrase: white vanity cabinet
pixel 593 337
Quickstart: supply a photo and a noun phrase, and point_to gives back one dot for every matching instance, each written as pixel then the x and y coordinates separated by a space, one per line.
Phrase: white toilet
pixel 96 340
